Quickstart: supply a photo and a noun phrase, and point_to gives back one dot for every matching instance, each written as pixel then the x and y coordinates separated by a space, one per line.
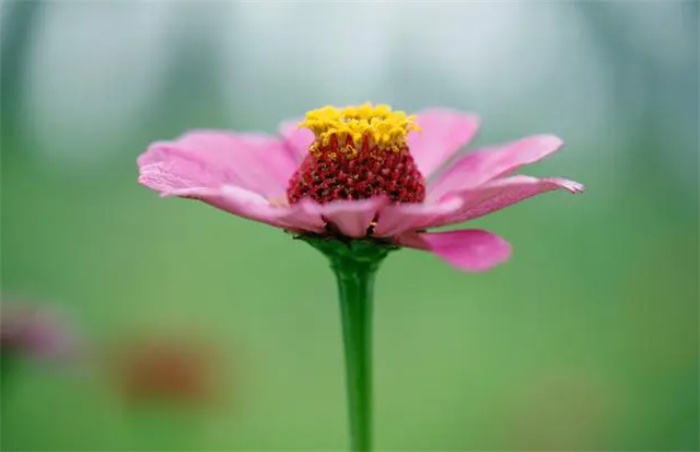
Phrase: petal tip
pixel 572 186
pixel 147 180
pixel 550 141
pixel 501 256
pixel 471 250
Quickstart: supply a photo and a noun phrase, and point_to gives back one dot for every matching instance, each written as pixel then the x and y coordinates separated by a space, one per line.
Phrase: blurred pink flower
pixel 37 332
pixel 361 173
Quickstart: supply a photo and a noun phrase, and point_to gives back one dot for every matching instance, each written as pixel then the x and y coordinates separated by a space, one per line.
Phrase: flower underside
pixel 358 153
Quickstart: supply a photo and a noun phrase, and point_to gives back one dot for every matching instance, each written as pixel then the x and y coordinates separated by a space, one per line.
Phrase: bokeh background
pixel 199 330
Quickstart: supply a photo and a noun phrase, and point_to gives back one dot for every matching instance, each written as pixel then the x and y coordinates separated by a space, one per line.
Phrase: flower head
pixel 362 172
pixel 358 153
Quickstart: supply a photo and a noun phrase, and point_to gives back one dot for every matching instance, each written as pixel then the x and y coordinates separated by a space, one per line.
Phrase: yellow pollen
pixel 386 129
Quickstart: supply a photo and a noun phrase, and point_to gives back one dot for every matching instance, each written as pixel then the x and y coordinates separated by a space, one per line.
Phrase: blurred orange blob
pixel 168 369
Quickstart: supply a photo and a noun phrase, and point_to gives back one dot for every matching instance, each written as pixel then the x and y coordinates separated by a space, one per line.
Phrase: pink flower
pixel 38 332
pixel 362 172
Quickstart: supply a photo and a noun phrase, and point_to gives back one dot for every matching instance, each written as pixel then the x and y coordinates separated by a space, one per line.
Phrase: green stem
pixel 355 289
pixel 355 264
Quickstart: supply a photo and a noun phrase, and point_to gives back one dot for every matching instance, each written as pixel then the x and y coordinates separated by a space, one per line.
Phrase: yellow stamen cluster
pixel 386 129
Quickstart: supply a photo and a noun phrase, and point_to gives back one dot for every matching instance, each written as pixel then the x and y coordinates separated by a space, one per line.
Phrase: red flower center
pixel 359 153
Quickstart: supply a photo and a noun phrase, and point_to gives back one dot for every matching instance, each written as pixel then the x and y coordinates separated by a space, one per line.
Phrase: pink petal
pixel 442 133
pixel 395 219
pixel 250 205
pixel 211 159
pixel 470 250
pixel 481 166
pixel 298 139
pixel 298 220
pixel 352 218
pixel 502 193
pixel 233 199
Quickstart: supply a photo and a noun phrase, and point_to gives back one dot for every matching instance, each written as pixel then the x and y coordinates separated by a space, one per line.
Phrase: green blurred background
pixel 586 340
